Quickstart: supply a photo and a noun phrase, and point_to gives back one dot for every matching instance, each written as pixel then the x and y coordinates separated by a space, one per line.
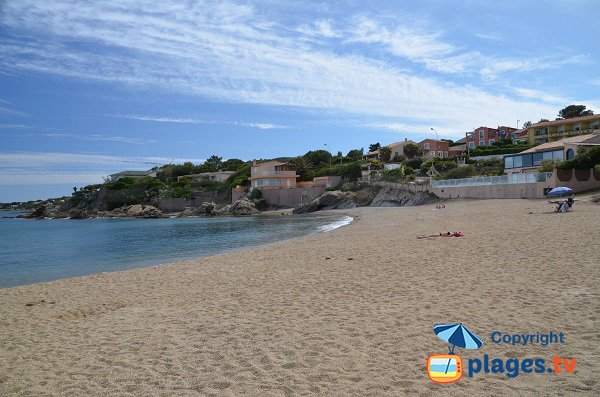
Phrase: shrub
pixel 408 170
pixel 256 194
pixel 548 165
pixel 440 165
pixel 460 172
pixel 395 175
pixel 414 163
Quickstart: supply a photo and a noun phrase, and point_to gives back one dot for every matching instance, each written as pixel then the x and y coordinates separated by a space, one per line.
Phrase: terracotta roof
pixel 274 162
pixel 593 139
pixel 566 121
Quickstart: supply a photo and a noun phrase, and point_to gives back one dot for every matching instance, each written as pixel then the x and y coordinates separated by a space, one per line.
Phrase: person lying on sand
pixel 447 234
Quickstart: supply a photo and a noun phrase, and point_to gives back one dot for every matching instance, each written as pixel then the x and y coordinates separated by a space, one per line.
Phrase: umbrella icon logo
pixel 447 368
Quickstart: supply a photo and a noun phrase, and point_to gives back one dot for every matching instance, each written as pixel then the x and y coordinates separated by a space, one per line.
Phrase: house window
pixel 432 153
pixel 491 141
pixel 426 146
pixel 441 154
pixel 570 154
pixel 471 144
pixel 482 143
pixel 481 134
pixel 446 154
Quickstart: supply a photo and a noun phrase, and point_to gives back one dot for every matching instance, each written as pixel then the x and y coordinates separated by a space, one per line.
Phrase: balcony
pixel 563 134
pixel 273 174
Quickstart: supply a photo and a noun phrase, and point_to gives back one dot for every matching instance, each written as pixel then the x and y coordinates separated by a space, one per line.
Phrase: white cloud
pixel 227 52
pixel 22 178
pixel 412 129
pixel 261 126
pixel 320 28
pixel 48 161
pixel 98 137
pixel 540 96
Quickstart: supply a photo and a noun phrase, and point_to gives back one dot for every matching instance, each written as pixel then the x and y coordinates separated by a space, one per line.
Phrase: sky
pixel 90 88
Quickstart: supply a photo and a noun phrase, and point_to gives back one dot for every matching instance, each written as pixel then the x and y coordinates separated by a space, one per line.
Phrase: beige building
pixel 564 149
pixel 272 175
pixel 397 149
pixel 219 176
pixel 550 131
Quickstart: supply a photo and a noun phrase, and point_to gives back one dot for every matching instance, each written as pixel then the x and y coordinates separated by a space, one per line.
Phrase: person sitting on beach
pixel 446 234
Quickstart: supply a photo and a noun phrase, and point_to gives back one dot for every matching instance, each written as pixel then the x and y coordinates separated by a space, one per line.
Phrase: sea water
pixel 40 250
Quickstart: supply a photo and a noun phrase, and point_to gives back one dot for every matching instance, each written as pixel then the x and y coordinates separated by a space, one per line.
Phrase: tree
pixel 450 141
pixel 303 167
pixel 574 111
pixel 374 146
pixel 543 120
pixel 213 164
pixel 318 158
pixel 385 154
pixel 232 165
pixel 355 154
pixel 411 150
pixel 527 124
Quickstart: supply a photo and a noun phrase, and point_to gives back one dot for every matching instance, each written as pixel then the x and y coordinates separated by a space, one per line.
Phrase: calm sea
pixel 33 251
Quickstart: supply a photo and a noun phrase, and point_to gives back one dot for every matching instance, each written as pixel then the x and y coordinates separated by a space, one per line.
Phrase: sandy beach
pixel 344 313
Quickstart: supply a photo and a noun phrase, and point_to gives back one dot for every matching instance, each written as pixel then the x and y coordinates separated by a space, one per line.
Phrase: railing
pixel 493 180
pixel 273 173
pixel 566 133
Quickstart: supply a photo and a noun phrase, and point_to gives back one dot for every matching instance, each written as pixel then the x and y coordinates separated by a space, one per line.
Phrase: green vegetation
pixel 411 150
pixel 504 146
pixel 572 111
pixel 585 159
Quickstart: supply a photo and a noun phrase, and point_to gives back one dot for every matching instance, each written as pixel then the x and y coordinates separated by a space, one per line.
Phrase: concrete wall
pixel 170 204
pixel 506 191
pixel 578 180
pixel 291 197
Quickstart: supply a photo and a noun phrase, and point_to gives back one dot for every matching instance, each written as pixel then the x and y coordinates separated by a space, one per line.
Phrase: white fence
pixel 493 180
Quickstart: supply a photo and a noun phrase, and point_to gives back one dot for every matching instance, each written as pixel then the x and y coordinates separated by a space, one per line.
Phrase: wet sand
pixel 349 312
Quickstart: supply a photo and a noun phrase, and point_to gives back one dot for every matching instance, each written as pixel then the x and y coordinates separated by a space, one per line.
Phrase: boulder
pixel 135 210
pixel 327 201
pixel 78 214
pixel 243 207
pixel 150 211
pixel 394 197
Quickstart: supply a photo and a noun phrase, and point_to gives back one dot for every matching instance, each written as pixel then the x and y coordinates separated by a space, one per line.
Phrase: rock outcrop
pixel 390 197
pixel 243 207
pixel 205 209
pixel 327 201
pixel 372 196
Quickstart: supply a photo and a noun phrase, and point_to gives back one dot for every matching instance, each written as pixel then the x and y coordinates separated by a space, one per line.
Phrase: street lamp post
pixel 330 154
pixel 436 134
pixel 518 124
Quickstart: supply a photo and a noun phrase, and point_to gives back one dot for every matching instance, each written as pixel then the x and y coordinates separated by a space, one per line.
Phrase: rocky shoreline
pixel 241 207
pixel 330 200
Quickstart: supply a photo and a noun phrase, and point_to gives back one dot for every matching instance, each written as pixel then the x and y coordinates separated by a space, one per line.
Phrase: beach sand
pixel 345 313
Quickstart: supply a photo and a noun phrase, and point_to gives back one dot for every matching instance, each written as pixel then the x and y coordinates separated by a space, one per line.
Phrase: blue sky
pixel 88 88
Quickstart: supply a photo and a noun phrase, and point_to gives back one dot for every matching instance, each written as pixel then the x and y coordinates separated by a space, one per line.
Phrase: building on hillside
pixel 132 174
pixel 219 176
pixel 273 175
pixel 485 136
pixel 397 149
pixel 550 131
pixel 457 150
pixel 564 149
pixel 434 148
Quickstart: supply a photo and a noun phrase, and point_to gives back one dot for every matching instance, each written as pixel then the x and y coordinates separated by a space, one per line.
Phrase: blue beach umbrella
pixel 457 335
pixel 560 191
